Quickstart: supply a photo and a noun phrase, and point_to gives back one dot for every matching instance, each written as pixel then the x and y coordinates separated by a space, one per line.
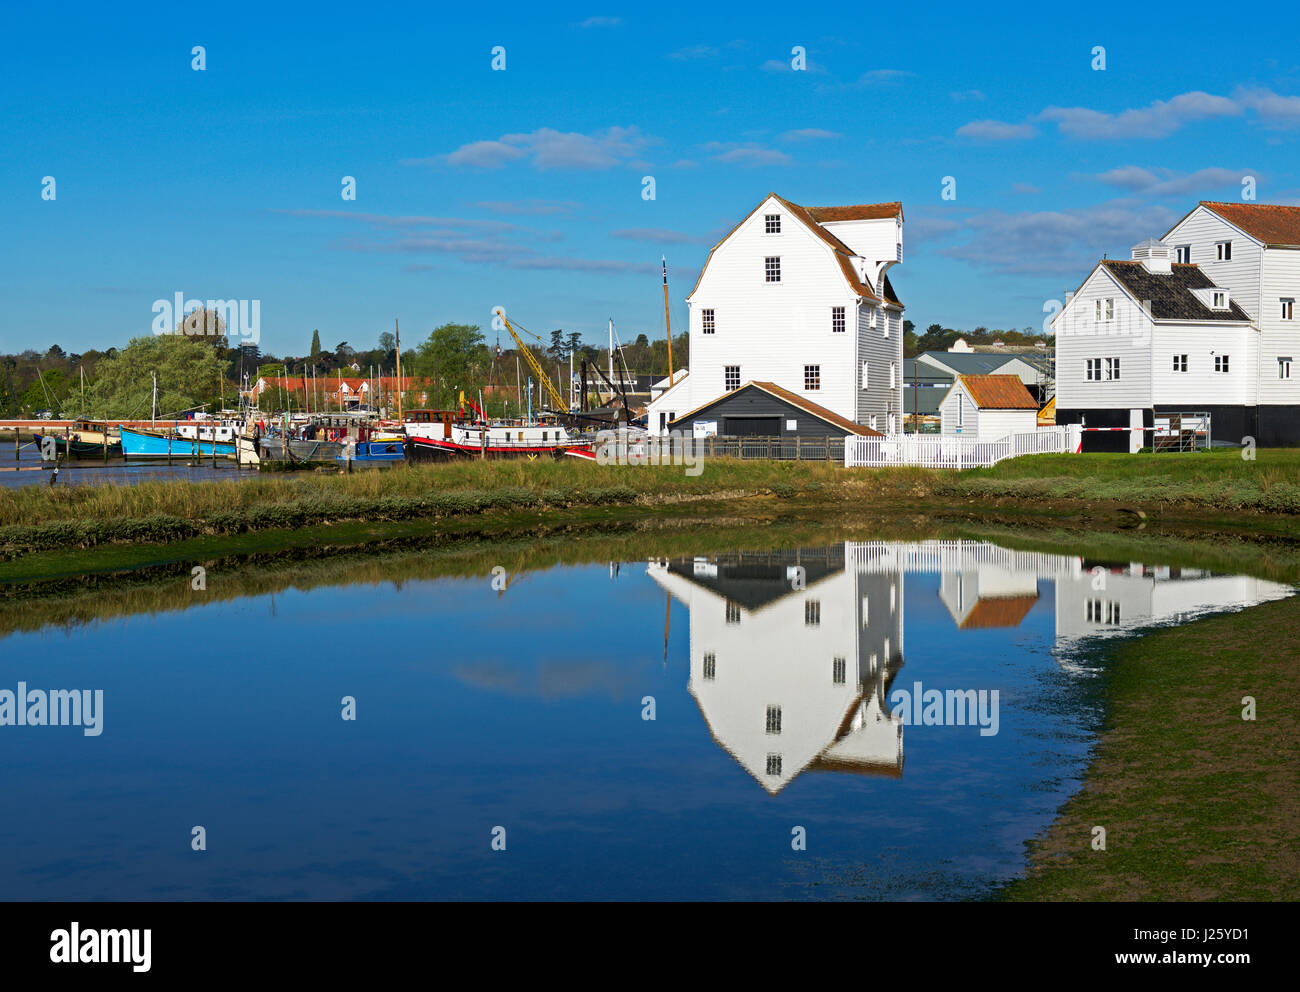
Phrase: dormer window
pixel 1223 251
pixel 772 223
pixel 1219 300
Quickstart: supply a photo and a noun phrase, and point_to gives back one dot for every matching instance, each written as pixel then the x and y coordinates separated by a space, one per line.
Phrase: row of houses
pixel 795 328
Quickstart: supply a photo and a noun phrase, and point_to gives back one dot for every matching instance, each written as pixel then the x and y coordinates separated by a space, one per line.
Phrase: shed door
pixel 752 426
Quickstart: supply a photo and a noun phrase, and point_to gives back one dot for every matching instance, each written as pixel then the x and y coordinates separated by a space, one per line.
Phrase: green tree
pixel 456 357
pixel 188 372
pixel 315 347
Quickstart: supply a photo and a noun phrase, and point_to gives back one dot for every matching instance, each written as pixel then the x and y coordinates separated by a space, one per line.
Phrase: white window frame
pixel 1112 369
pixel 839 320
pixel 772 266
pixel 1222 364
pixel 1284 366
pixel 893 375
pixel 1092 370
pixel 866 375
pixel 1223 251
pixel 1288 307
pixel 708 321
pixel 961 410
pixel 727 377
pixel 815 371
pixel 1183 254
pixel 1219 300
pixel 771 223
pixel 1180 364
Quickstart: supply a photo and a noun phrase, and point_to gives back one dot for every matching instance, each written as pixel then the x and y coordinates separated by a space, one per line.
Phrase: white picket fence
pixel 944 451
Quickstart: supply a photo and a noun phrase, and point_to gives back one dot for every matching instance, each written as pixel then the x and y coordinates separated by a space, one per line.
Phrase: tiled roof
pixel 1170 297
pixel 843 253
pixel 862 211
pixel 1001 611
pixel 1270 223
pixel 998 392
pixel 794 399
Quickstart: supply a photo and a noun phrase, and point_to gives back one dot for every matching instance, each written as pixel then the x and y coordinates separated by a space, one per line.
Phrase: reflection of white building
pixel 1133 595
pixel 790 672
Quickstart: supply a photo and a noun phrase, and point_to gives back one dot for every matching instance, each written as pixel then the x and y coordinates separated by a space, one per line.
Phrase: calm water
pixel 523 709
pixel 89 473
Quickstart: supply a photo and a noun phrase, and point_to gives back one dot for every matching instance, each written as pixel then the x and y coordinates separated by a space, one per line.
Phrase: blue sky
pixel 522 187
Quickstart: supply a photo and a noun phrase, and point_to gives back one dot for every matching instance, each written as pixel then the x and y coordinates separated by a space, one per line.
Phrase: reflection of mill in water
pixel 791 668
pixel 793 652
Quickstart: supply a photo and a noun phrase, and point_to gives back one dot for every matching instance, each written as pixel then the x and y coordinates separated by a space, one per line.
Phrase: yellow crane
pixel 561 405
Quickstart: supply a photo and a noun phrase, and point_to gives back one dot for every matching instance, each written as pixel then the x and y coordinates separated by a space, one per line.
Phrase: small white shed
pixel 988 407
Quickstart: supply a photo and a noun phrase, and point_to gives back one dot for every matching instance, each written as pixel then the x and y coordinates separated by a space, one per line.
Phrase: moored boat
pixel 83 439
pixel 375 453
pixel 138 443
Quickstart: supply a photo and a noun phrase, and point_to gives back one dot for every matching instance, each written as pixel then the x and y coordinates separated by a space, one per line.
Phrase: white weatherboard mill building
pixel 799 296
pixel 1202 320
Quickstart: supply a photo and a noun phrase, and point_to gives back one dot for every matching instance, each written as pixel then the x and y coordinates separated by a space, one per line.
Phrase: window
pixel 1110 309
pixel 774 764
pixel 706 321
pixel 872 424
pixel 1288 309
pixel 1284 368
pixel 865 376
pixel 772 223
pixel 733 612
pixel 1180 363
pixel 792 426
pixel 812 377
pixel 1092 610
pixel 893 375
pixel 812 612
pixel 772 268
pixel 837 671
pixel 1112 368
pixel 710 666
pixel 886 325
pixel 891 424
pixel 1104 309
pixel 774 719
pixel 837 320
pixel 1092 370
pixel 1183 254
pixel 1220 363
pixel 1219 301
pixel 961 411
pixel 1112 612
pixel 731 377
pixel 1223 251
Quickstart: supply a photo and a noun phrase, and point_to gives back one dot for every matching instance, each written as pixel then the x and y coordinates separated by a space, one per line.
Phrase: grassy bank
pixel 1197 803
pixel 39 518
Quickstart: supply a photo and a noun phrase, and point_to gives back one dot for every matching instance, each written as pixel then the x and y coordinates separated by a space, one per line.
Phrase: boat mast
pixel 668 322
pixel 611 352
pixel 155 399
pixel 397 337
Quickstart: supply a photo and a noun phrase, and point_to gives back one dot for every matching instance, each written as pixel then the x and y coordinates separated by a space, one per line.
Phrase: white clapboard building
pixel 800 297
pixel 1201 321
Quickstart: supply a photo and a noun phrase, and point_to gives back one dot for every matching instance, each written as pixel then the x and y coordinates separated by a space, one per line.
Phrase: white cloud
pixel 996 131
pixel 529 206
pixel 659 235
pixel 1158 120
pixel 693 53
pixel 809 134
pixel 961 96
pixel 1065 243
pixel 883 77
pixel 1166 182
pixel 547 148
pixel 601 22
pixel 1275 110
pixel 748 154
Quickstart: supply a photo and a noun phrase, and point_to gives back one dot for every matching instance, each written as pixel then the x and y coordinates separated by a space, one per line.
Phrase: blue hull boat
pixel 376 454
pixel 155 444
